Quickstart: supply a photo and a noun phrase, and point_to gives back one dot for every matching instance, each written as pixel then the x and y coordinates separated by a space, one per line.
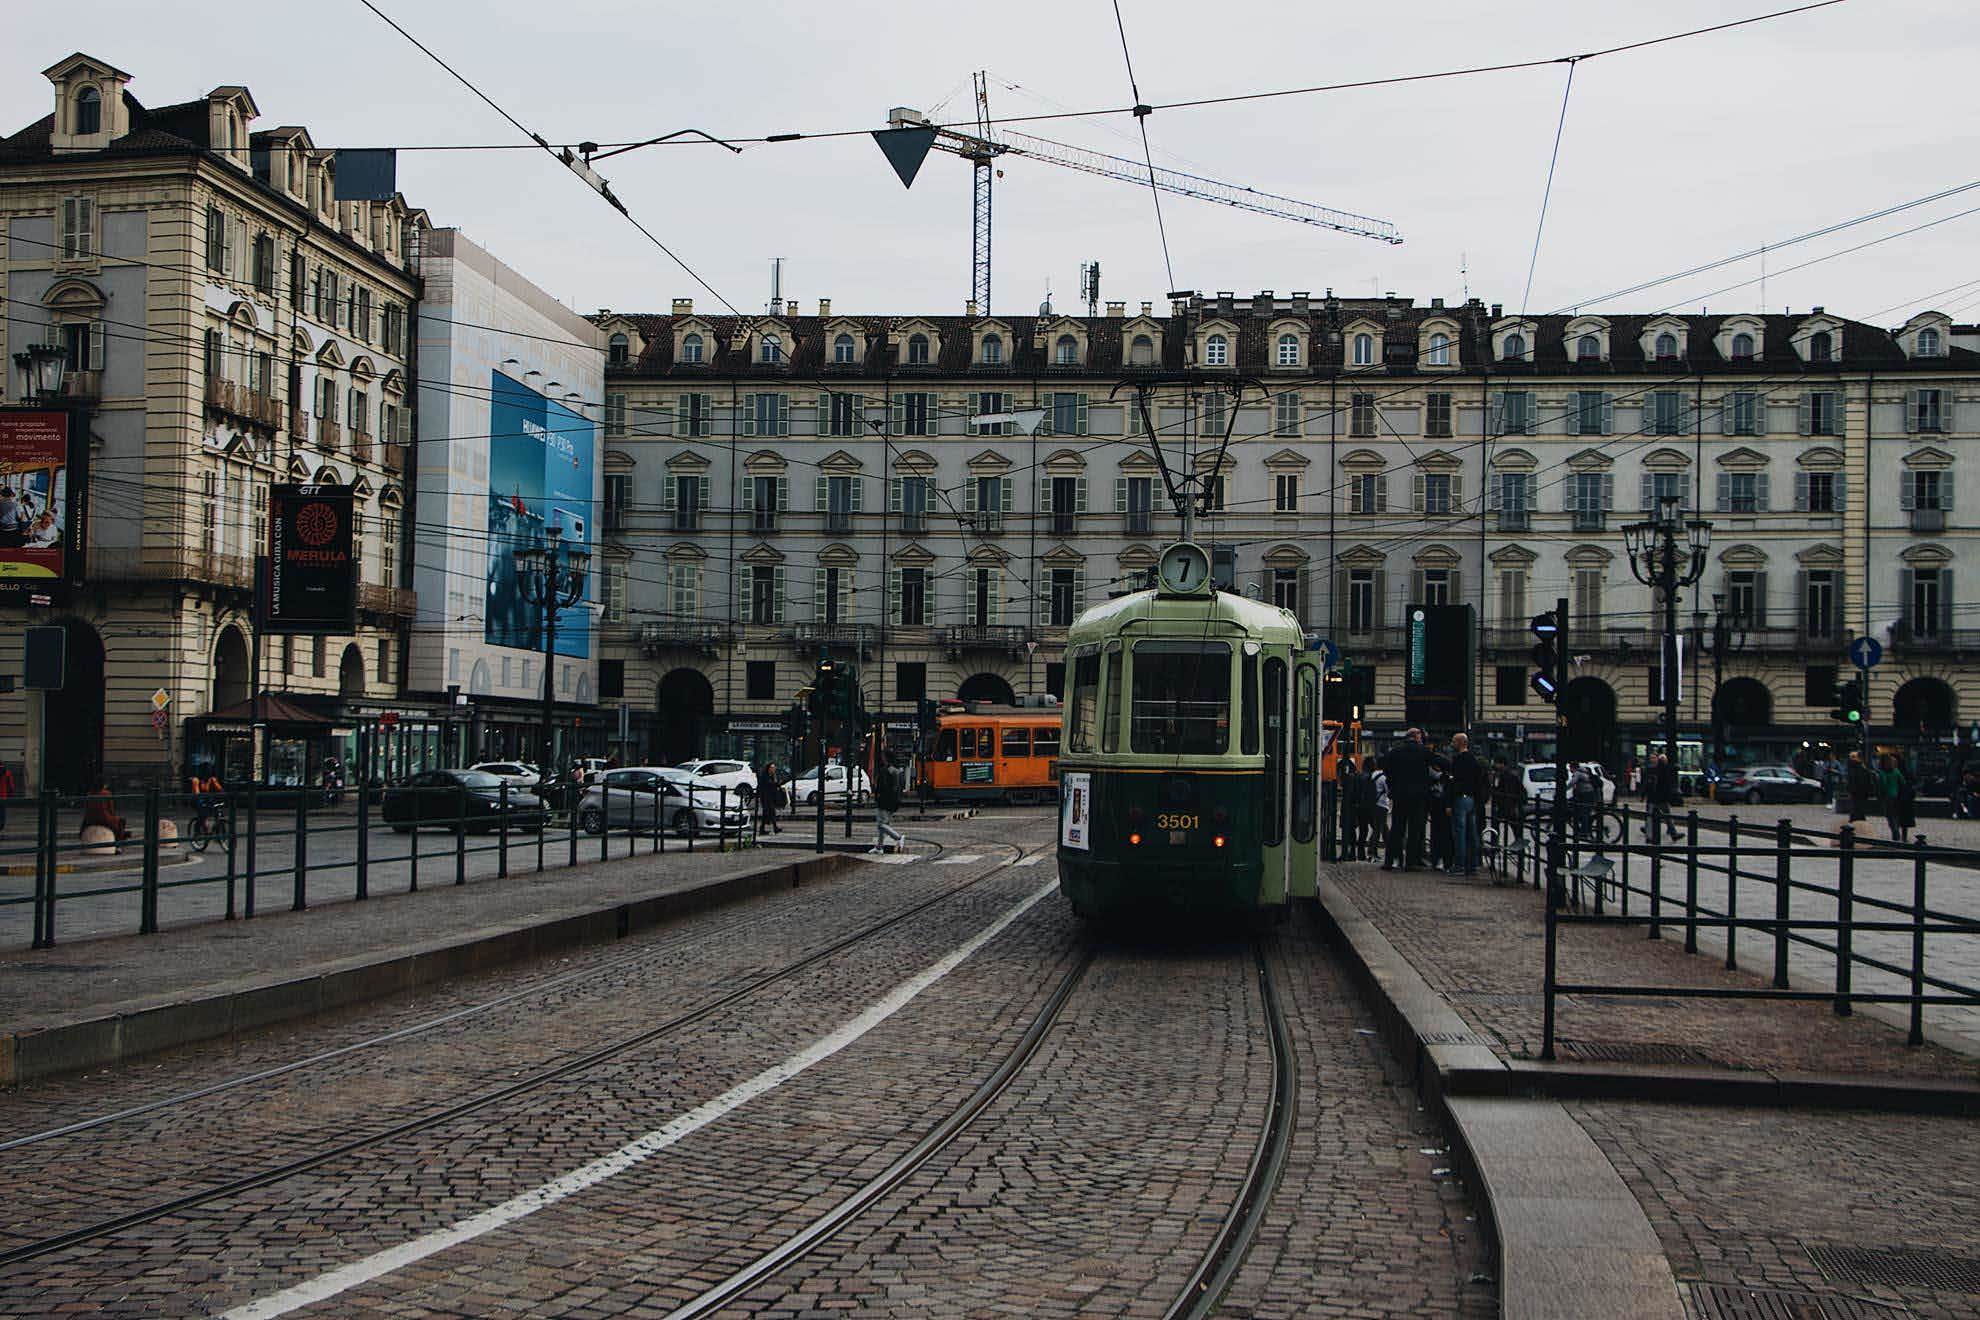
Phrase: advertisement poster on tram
pixel 539 477
pixel 1076 810
pixel 41 532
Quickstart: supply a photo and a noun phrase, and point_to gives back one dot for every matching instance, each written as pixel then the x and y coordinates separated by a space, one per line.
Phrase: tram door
pixel 1305 782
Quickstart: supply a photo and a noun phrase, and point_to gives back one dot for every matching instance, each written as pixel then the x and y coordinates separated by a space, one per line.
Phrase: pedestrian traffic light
pixel 1546 656
pixel 1849 702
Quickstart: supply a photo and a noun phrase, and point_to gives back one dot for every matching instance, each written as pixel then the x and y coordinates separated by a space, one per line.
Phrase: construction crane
pixel 981 149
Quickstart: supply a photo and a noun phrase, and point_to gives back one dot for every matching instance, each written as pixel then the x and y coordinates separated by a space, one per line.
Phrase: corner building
pixel 779 487
pixel 229 325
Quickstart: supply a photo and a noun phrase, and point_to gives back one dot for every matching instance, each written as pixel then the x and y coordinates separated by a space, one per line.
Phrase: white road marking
pixel 1032 860
pixel 959 859
pixel 636 1152
pixel 893 859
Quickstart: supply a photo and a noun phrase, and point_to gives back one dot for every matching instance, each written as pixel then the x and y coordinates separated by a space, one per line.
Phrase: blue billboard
pixel 539 476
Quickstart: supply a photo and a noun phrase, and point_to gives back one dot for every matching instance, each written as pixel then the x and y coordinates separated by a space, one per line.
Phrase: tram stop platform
pixel 92 1003
pixel 1698 1157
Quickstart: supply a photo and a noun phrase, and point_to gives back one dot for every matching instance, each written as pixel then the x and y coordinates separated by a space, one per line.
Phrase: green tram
pixel 1189 778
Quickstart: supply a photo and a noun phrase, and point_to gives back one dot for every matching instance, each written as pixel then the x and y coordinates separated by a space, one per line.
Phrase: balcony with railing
pixel 1006 637
pixel 397 602
pixel 328 434
pixel 298 424
pixel 82 386
pixel 682 635
pixel 361 448
pixel 858 637
pixel 1907 640
pixel 1928 519
pixel 172 563
pixel 395 457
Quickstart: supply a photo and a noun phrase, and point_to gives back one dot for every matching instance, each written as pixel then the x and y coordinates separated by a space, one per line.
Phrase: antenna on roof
pixel 1464 275
pixel 1089 286
pixel 1045 308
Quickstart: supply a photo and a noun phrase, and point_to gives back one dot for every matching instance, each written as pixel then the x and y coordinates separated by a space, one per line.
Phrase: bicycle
pixel 211 826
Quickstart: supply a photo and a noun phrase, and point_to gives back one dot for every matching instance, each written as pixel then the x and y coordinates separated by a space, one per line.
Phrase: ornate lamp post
pixel 42 367
pixel 551 576
pixel 1653 548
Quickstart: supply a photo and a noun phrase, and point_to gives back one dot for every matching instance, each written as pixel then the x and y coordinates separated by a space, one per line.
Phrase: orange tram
pixel 983 752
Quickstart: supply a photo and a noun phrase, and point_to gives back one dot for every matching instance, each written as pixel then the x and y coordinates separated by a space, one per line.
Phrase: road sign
pixel 1330 654
pixel 158 719
pixel 1865 652
pixel 160 700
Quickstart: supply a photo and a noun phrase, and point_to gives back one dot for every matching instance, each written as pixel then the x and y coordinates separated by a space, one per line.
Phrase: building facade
pixel 229 325
pixel 784 486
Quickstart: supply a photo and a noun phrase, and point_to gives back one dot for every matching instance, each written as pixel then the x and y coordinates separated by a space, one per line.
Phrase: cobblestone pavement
pixel 1740 1196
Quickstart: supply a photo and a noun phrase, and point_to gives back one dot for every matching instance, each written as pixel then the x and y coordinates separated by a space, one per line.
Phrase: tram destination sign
pixel 311 580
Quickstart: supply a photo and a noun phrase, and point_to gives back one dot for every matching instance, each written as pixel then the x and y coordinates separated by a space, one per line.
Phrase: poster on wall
pixel 1076 811
pixel 41 504
pixel 539 477
pixel 310 585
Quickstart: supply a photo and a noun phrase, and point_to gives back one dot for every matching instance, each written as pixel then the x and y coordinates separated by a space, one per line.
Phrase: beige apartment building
pixel 229 324
pixel 784 486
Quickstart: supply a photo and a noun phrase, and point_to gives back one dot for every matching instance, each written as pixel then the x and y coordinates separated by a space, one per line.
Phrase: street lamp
pixel 1653 551
pixel 42 367
pixel 551 576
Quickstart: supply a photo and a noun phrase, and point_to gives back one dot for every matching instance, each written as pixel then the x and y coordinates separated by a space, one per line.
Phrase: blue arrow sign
pixel 1330 654
pixel 1865 652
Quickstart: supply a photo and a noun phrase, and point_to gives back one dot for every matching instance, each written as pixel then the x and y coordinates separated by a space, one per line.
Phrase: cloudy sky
pixel 1672 156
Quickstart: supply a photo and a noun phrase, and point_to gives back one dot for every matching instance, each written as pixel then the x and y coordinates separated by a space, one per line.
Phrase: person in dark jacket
pixel 886 801
pixel 770 793
pixel 1862 785
pixel 1407 766
pixel 1467 789
pixel 1347 792
pixel 1660 794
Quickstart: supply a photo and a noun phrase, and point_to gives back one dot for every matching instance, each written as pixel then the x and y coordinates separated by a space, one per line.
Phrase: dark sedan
pixel 1769 783
pixel 460 797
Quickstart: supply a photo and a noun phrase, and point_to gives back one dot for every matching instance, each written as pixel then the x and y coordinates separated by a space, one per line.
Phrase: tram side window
pixel 1017 743
pixel 969 744
pixel 1045 742
pixel 1275 751
pixel 1085 707
pixel 945 745
pixel 1182 698
pixel 1110 716
pixel 1249 699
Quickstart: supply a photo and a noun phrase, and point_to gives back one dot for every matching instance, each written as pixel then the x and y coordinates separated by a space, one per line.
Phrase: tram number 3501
pixel 1176 821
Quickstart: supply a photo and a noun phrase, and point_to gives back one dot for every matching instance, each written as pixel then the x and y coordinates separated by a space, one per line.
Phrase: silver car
pixel 637 797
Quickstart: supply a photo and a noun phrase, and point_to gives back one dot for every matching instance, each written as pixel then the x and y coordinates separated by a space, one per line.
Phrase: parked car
pixel 518 774
pixel 1769 783
pixel 454 798
pixel 637 796
pixel 804 787
pixel 736 776
pixel 1538 778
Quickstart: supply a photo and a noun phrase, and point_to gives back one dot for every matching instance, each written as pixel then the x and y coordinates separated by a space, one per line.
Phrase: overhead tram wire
pixel 1141 113
pixel 1547 193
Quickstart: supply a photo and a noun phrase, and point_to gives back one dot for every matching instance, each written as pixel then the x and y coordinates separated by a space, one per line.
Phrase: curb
pixel 116 1038
pixel 1573 1241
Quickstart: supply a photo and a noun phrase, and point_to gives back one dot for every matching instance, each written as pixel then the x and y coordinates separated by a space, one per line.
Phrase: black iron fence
pixel 226 847
pixel 1615 866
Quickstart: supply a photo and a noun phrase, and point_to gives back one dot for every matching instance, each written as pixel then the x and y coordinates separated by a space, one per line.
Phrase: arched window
pixel 1742 346
pixel 1588 348
pixel 773 348
pixel 1216 351
pixel 917 350
pixel 89 111
pixel 993 350
pixel 691 348
pixel 1364 350
pixel 1821 346
pixel 618 350
pixel 1440 350
pixel 1066 352
pixel 1928 343
pixel 842 348
pixel 1515 348
pixel 1288 350
pixel 1141 352
pixel 1667 346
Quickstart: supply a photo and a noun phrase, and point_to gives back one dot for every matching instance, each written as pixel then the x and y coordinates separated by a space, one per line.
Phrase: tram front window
pixel 1084 709
pixel 1182 698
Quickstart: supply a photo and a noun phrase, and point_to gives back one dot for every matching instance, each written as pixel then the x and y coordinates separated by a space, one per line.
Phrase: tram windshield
pixel 1182 697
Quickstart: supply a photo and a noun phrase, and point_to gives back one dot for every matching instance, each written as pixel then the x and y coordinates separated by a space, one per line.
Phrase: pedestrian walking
pixel 1660 794
pixel 1347 792
pixel 1900 799
pixel 770 794
pixel 886 801
pixel 8 789
pixel 1467 781
pixel 1407 768
pixel 1861 782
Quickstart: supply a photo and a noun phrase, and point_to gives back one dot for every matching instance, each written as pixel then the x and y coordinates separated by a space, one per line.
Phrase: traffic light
pixel 926 715
pixel 1546 656
pixel 797 722
pixel 1849 702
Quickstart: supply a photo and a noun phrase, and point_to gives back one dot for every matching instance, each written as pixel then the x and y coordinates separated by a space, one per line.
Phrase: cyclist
pixel 208 794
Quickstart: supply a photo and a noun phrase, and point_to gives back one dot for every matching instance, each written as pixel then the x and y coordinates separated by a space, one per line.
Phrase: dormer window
pixel 1216 351
pixel 691 348
pixel 1364 350
pixel 618 350
pixel 1141 351
pixel 1742 347
pixel 1588 348
pixel 917 350
pixel 1928 343
pixel 1515 348
pixel 1666 346
pixel 1821 346
pixel 993 350
pixel 773 349
pixel 1065 352
pixel 1440 350
pixel 843 349
pixel 89 111
pixel 1288 350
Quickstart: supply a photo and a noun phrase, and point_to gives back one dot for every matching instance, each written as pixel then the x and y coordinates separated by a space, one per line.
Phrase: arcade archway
pixel 74 727
pixel 987 688
pixel 1743 703
pixel 685 703
pixel 230 669
pixel 1589 705
pixel 1924 705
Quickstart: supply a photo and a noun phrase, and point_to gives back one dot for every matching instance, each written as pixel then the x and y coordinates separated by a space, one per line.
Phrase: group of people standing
pixel 1887 787
pixel 1421 804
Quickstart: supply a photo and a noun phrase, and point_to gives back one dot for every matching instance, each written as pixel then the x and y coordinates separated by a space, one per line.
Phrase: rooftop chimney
pixel 1816 310
pixel 1147 308
pixel 1436 304
pixel 683 307
pixel 1116 309
pixel 790 307
pixel 1498 310
pixel 969 308
pixel 824 306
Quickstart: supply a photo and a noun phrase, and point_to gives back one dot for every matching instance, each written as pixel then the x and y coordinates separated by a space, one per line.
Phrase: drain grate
pixel 1897 1267
pixel 1634 1051
pixel 1718 1301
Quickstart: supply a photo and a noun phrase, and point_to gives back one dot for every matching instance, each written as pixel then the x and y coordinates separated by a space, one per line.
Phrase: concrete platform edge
pixel 40 1052
pixel 1612 1266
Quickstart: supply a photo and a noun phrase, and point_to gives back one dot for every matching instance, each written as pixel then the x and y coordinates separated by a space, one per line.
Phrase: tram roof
pixel 1253 618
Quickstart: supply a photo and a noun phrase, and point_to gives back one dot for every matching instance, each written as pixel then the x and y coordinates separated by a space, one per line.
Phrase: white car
pixel 517 774
pixel 736 776
pixel 804 788
pixel 1538 779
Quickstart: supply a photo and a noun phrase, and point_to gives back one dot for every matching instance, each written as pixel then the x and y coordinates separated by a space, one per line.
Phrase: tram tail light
pixel 1135 838
pixel 1218 841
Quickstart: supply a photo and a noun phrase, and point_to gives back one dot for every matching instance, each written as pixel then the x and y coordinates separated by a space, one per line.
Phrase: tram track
pixel 113 1224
